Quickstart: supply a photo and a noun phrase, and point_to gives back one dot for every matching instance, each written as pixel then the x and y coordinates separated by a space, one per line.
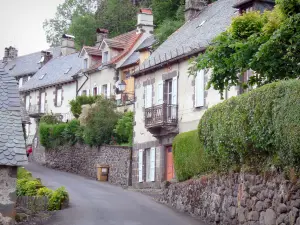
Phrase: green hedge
pixel 256 128
pixel 189 157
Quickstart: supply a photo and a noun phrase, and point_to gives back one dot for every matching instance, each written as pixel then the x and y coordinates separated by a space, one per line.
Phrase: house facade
pixel 168 100
pixel 52 87
pixel 12 145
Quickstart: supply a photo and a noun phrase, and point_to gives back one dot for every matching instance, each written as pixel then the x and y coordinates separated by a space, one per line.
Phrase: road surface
pixel 95 203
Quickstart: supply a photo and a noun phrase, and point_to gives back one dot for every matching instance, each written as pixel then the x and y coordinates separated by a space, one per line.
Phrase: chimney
pixel 193 8
pixel 145 21
pixel 10 53
pixel 101 35
pixel 46 56
pixel 68 45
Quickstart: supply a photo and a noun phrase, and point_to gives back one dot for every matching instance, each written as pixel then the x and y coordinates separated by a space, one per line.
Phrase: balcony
pixel 161 119
pixel 36 111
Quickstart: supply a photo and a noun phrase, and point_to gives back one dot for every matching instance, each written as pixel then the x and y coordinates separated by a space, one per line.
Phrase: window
pixel 84 93
pixel 104 90
pixel 25 79
pixel 199 89
pixel 105 57
pixel 41 77
pixel 58 97
pixel 169 91
pixel 147 151
pixel 95 91
pixel 127 74
pixel 21 82
pixel 85 64
pixel 150 164
pixel 68 70
pixel 148 96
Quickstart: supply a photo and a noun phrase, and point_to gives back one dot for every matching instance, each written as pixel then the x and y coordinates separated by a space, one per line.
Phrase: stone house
pixel 52 87
pixel 103 64
pixel 12 145
pixel 168 100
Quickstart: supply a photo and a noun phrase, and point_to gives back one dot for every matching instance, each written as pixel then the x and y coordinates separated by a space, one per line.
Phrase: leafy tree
pixel 166 9
pixel 118 16
pixel 265 43
pixel 124 128
pixel 100 122
pixel 65 12
pixel 78 102
pixel 84 29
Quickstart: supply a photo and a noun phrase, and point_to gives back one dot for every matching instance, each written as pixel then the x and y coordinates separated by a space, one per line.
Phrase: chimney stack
pixel 193 8
pixel 101 35
pixel 10 53
pixel 68 45
pixel 145 21
pixel 46 56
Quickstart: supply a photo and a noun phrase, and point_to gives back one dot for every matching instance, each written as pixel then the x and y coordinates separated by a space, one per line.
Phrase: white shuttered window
pixel 160 93
pixel 152 164
pixel 199 89
pixel 141 165
pixel 148 96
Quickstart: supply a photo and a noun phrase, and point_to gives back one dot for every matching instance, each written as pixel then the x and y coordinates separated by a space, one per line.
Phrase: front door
pixel 42 102
pixel 169 163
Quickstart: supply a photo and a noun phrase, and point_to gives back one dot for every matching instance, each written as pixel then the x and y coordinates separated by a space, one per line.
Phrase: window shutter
pixel 141 165
pixel 148 96
pixel 80 93
pixel 21 82
pixel 87 92
pixel 27 102
pixel 199 89
pixel 108 90
pixel 99 90
pixel 58 97
pixel 152 164
pixel 160 93
pixel 174 91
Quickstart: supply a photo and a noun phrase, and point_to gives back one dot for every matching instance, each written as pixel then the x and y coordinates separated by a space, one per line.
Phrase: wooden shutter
pixel 160 93
pixel 108 90
pixel 148 96
pixel 87 92
pixel 199 89
pixel 141 165
pixel 174 91
pixel 152 164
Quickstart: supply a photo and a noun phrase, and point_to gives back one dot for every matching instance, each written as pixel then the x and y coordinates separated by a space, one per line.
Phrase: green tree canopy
pixel 265 43
pixel 84 29
pixel 65 12
pixel 118 16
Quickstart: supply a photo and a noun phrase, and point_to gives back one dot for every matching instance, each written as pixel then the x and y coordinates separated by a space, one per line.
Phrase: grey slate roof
pixel 58 70
pixel 12 143
pixel 27 64
pixel 147 43
pixel 135 56
pixel 195 34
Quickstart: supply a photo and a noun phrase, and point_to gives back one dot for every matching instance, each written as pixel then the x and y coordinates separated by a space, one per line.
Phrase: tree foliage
pixel 76 104
pixel 265 43
pixel 118 16
pixel 167 9
pixel 62 20
pixel 84 29
pixel 124 128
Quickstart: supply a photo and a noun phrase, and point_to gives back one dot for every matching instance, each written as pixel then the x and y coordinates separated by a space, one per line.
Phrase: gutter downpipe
pixel 77 90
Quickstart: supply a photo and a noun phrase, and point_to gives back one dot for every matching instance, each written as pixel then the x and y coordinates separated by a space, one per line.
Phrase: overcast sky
pixel 21 24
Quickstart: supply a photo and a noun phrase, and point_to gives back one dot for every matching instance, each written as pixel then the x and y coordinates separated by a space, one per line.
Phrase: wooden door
pixel 169 163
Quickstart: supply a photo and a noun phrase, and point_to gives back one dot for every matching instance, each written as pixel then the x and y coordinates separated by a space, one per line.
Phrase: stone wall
pixel 33 203
pixel 8 177
pixel 82 160
pixel 238 199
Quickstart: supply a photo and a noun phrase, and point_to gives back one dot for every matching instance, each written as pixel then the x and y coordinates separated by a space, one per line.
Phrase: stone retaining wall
pixel 82 160
pixel 33 203
pixel 241 199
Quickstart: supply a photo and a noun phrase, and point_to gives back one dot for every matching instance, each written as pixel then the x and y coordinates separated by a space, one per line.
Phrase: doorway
pixel 170 173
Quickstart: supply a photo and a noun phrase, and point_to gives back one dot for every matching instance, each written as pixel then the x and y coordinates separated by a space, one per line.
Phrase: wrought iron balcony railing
pixel 35 110
pixel 161 115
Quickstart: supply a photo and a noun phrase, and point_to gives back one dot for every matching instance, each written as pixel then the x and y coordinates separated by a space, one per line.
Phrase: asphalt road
pixel 95 203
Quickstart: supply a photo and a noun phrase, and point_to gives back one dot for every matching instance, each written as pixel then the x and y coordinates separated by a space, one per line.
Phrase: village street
pixel 95 203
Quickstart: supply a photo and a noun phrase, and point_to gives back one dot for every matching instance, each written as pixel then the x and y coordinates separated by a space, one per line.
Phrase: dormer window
pixel 105 57
pixel 85 63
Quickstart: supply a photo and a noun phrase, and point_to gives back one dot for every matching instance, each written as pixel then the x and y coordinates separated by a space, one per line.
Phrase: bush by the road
pixel 256 128
pixel 189 156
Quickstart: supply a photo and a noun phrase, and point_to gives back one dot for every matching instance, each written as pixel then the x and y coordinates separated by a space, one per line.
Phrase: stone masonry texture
pixel 83 160
pixel 8 177
pixel 238 199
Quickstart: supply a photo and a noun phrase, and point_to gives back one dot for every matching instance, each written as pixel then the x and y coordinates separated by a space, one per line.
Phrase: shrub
pixel 70 133
pixel 28 187
pixel 51 135
pixel 255 127
pixel 22 173
pixel 78 102
pixel 49 119
pixel 124 128
pixel 45 192
pixel 189 156
pixel 57 198
pixel 100 123
pixel 21 187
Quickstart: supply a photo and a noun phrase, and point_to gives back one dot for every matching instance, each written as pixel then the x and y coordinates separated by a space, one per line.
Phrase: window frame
pixel 58 104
